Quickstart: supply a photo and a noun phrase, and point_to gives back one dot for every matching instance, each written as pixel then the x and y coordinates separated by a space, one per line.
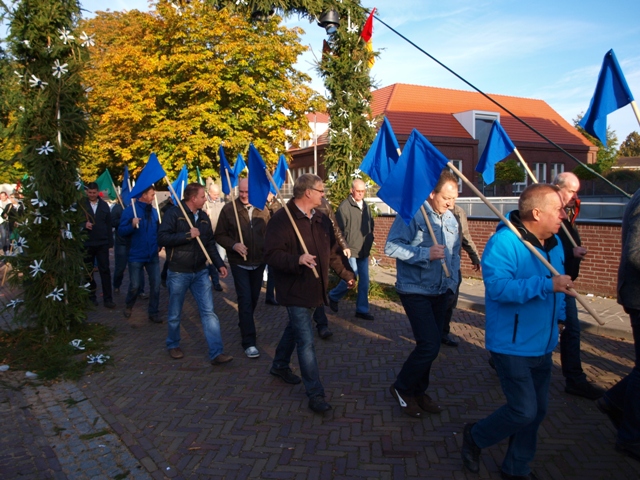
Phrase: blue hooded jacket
pixel 521 309
pixel 144 239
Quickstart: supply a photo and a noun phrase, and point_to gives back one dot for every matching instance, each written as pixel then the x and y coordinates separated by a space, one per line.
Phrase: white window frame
pixel 458 165
pixel 556 169
pixel 536 172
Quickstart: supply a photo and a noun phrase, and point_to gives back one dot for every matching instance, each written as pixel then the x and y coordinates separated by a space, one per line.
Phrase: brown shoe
pixel 408 404
pixel 428 405
pixel 176 353
pixel 222 358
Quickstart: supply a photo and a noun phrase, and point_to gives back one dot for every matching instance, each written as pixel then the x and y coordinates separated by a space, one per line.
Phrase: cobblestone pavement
pixel 186 419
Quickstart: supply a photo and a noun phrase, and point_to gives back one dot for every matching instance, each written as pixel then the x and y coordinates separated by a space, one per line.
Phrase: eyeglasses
pixel 317 190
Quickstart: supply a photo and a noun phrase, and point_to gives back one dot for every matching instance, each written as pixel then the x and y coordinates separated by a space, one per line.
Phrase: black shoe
pixel 629 449
pixel 470 451
pixel 364 316
pixel 155 319
pixel 324 332
pixel 285 374
pixel 506 476
pixel 586 390
pixel 109 304
pixel 268 301
pixel 614 413
pixel 333 305
pixel 448 341
pixel 217 287
pixel 116 291
pixel 127 312
pixel 318 404
pixel 143 296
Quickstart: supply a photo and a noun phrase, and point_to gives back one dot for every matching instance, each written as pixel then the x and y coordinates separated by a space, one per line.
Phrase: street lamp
pixel 330 21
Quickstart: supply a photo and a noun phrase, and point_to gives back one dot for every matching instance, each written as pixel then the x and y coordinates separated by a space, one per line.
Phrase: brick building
pixel 458 122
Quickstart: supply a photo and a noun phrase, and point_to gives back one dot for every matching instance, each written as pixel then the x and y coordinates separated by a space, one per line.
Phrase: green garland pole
pixel 48 259
pixel 345 69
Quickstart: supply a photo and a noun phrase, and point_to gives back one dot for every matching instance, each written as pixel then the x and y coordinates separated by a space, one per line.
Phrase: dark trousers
pixel 271 287
pixel 121 254
pixel 248 284
pixel 453 302
pixel 570 345
pixel 99 255
pixel 625 395
pixel 426 315
pixel 320 317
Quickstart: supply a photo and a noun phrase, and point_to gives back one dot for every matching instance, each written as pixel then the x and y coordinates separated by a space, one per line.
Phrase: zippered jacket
pixel 521 309
pixel 253 232
pixel 144 239
pixel 411 245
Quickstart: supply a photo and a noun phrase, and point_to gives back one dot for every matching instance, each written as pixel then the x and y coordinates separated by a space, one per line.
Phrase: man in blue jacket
pixel 524 304
pixel 424 289
pixel 142 228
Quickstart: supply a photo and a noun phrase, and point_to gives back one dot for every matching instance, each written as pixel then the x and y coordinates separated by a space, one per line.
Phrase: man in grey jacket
pixel 356 223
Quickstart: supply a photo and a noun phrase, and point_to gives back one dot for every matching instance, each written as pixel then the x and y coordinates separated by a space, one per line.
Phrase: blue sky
pixel 550 50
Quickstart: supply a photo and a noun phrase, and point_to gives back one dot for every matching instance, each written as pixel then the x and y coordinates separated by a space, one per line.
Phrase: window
pixel 518 187
pixel 458 165
pixel 483 128
pixel 556 169
pixel 540 172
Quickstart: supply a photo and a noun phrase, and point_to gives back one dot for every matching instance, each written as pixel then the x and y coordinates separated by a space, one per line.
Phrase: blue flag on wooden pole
pixel 280 174
pixel 414 177
pixel 382 156
pixel 499 146
pixel 151 173
pixel 612 93
pixel 238 167
pixel 180 184
pixel 225 167
pixel 125 192
pixel 258 180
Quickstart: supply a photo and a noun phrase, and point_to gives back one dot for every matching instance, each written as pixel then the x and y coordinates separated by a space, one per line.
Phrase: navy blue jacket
pixel 144 239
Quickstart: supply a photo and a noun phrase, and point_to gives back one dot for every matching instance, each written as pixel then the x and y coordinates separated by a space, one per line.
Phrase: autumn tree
pixel 181 80
pixel 631 146
pixel 10 168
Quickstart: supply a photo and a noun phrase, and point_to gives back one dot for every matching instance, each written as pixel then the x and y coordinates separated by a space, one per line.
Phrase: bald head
pixel 243 191
pixel 214 191
pixel 541 210
pixel 569 184
pixel 358 189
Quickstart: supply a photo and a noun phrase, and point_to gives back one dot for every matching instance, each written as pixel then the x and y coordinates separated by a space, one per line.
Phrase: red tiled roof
pixel 319 117
pixel 431 109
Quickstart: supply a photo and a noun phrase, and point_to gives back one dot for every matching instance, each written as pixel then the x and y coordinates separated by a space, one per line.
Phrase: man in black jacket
pixel 188 270
pixel 575 378
pixel 100 240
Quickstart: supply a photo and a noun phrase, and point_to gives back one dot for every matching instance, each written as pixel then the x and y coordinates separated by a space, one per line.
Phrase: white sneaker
pixel 252 352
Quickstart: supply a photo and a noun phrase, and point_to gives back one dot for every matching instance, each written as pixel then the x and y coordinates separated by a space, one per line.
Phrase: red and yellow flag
pixel 366 34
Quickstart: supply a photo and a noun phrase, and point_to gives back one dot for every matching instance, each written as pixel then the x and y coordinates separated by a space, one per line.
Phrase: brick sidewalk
pixel 187 419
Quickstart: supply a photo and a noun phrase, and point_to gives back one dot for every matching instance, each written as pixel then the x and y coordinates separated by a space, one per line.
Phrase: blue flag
pixel 224 169
pixel 151 173
pixel 125 192
pixel 499 146
pixel 180 184
pixel 237 170
pixel 414 177
pixel 280 174
pixel 258 180
pixel 382 156
pixel 612 93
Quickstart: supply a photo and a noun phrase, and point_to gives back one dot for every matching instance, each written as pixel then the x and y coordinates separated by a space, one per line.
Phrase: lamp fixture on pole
pixel 330 21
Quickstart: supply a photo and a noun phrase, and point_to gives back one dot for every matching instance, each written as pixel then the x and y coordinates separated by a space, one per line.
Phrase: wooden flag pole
pixel 204 250
pixel 293 223
pixel 634 105
pixel 117 194
pixel 431 233
pixel 155 199
pixel 533 249
pixel 133 203
pixel 235 210
pixel 535 180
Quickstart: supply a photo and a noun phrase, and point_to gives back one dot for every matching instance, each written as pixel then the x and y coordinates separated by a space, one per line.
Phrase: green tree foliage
pixel 50 128
pixel 345 70
pixel 607 154
pixel 181 81
pixel 10 169
pixel 631 146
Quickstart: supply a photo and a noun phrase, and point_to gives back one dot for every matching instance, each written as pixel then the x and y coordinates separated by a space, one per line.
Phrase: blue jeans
pixel 360 267
pixel 570 345
pixel 121 255
pixel 625 395
pixel 320 317
pixel 299 333
pixel 248 284
pixel 200 285
pixel 425 314
pixel 525 384
pixel 136 276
